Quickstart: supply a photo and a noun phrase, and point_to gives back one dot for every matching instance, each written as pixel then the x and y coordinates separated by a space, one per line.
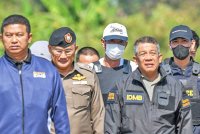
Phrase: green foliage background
pixel 88 18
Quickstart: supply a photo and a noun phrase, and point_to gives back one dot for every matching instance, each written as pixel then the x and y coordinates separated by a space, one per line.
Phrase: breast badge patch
pixel 39 74
pixel 79 79
pixel 134 97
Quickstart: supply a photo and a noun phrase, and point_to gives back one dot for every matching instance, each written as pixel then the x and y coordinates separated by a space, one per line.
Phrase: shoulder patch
pixel 85 67
pixel 111 97
pixel 185 103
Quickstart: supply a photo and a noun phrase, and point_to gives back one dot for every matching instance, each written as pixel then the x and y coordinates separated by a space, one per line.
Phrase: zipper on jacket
pixel 19 67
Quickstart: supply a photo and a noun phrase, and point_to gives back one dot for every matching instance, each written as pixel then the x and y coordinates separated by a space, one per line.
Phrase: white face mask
pixel 114 51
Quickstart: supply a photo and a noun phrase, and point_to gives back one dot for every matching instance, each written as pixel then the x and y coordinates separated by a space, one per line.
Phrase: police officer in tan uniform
pixel 82 91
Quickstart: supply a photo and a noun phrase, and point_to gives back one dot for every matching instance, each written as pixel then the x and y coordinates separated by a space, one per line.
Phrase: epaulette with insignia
pixel 85 67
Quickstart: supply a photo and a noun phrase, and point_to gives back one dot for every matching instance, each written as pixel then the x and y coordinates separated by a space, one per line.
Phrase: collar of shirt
pixel 27 60
pixel 176 66
pixel 151 82
pixel 176 70
pixel 76 68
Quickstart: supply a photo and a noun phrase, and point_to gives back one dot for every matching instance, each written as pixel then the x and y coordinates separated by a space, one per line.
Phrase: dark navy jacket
pixel 108 76
pixel 129 109
pixel 190 78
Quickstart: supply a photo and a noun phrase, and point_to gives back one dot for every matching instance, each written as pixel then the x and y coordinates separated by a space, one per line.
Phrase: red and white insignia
pixel 68 38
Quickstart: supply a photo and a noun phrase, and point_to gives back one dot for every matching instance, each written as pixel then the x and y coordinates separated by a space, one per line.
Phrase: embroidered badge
pixel 185 103
pixel 189 92
pixel 39 75
pixel 134 97
pixel 111 98
pixel 68 38
pixel 78 77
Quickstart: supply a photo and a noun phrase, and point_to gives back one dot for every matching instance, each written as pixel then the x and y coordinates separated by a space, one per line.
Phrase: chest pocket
pixel 81 96
pixel 166 101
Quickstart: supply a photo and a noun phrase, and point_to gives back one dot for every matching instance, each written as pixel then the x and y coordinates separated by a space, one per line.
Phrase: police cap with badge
pixel 63 37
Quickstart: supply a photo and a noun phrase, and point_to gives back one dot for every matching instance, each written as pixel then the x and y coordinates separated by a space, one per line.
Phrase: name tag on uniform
pixel 39 75
pixel 79 82
pixel 134 97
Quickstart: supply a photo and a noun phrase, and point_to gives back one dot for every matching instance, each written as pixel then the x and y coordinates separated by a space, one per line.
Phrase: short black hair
pixel 87 51
pixel 16 19
pixel 196 38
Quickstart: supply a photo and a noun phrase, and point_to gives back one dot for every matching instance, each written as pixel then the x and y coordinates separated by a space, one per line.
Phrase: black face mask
pixel 181 52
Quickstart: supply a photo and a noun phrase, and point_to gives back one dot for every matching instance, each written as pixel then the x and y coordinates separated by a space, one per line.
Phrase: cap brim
pixel 110 37
pixel 180 35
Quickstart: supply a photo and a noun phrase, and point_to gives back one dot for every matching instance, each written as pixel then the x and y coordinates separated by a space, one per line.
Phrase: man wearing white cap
pixel 112 66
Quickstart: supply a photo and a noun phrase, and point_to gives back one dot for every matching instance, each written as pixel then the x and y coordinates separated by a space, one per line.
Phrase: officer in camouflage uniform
pixel 82 91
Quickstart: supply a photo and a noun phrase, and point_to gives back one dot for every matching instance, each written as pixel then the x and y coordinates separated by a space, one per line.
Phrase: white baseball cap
pixel 115 31
pixel 40 48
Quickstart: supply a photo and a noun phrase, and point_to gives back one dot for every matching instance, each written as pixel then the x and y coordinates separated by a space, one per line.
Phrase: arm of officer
pixel 59 113
pixel 97 108
pixel 184 125
pixel 113 112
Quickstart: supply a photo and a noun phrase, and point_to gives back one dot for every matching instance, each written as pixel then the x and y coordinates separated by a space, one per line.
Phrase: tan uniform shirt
pixel 84 101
